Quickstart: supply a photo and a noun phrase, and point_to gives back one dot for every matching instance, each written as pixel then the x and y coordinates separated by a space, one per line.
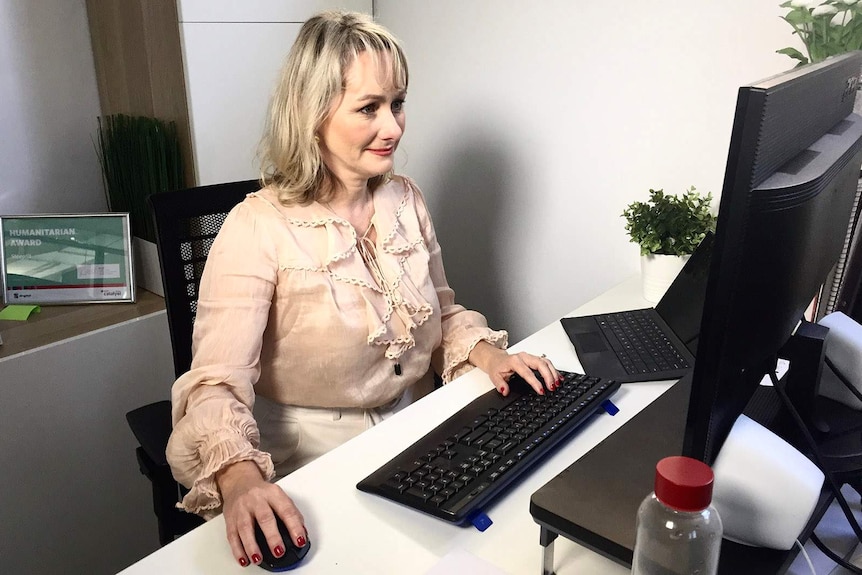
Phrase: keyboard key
pixel 398 486
pixel 474 435
pixel 479 422
pixel 480 442
pixel 506 447
pixel 419 494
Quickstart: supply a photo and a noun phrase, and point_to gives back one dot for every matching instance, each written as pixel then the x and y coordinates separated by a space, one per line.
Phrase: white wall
pixel 531 125
pixel 49 102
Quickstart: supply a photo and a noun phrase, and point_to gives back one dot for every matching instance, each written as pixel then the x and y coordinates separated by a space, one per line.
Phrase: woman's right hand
pixel 249 498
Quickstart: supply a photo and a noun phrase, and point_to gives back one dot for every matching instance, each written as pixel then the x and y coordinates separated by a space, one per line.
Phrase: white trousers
pixel 294 436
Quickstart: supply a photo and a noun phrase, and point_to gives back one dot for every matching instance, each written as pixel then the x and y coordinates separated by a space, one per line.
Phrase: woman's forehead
pixel 369 68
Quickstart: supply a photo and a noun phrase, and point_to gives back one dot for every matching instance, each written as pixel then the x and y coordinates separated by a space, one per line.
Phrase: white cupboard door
pixel 230 74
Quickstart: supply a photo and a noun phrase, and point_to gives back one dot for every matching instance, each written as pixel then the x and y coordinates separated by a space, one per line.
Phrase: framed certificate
pixel 66 259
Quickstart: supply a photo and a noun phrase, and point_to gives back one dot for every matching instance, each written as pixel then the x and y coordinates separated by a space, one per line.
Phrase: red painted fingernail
pixel 278 551
pixel 300 541
pixel 256 558
pixel 243 562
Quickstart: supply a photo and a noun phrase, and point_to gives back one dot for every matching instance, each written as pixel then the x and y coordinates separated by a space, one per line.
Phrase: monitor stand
pixel 594 502
pixel 835 427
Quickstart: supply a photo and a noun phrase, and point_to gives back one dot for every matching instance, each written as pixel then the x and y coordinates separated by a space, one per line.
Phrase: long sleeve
pixel 462 328
pixel 213 402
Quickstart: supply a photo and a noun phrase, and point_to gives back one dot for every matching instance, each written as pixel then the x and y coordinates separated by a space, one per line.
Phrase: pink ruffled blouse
pixel 289 310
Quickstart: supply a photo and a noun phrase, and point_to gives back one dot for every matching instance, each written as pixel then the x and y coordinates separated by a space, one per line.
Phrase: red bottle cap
pixel 683 483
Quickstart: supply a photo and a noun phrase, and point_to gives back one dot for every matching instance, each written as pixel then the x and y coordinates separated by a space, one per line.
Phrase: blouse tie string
pixel 368 252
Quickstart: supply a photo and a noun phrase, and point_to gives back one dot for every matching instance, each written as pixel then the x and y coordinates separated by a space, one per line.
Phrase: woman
pixel 324 303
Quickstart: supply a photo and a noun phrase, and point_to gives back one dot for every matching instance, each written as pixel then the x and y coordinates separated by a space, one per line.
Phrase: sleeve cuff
pixel 459 363
pixel 204 497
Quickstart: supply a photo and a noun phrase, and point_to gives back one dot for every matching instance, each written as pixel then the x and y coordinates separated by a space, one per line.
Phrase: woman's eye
pixel 398 106
pixel 369 109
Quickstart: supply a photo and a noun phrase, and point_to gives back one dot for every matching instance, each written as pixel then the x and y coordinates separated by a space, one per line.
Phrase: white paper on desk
pixel 461 561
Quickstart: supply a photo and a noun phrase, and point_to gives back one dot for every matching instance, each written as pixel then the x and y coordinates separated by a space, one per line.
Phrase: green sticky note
pixel 18 312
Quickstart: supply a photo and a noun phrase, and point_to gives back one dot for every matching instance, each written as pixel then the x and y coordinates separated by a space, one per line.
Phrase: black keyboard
pixel 639 342
pixel 455 470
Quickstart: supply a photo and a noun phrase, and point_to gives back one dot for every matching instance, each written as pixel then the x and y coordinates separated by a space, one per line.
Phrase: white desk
pixel 357 533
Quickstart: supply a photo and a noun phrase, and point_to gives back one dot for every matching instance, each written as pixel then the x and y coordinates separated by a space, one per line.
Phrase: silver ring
pixel 543 356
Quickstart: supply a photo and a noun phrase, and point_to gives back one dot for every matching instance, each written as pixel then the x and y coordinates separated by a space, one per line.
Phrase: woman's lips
pixel 382 151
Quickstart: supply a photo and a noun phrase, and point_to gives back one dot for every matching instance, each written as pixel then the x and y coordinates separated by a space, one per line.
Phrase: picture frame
pixel 66 259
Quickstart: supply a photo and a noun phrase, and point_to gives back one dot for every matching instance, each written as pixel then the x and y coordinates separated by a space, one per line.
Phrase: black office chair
pixel 186 221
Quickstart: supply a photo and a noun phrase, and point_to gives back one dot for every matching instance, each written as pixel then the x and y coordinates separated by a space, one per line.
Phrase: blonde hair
pixel 312 78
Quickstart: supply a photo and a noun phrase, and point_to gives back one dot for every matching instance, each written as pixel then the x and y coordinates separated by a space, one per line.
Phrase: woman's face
pixel 359 138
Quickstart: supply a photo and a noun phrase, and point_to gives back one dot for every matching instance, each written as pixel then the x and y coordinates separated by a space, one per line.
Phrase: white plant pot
pixel 658 272
pixel 148 272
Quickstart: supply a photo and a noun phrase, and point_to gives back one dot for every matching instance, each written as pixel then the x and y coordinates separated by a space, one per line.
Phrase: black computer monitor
pixel 791 177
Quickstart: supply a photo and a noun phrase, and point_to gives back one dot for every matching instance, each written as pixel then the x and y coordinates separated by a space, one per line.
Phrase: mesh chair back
pixel 187 222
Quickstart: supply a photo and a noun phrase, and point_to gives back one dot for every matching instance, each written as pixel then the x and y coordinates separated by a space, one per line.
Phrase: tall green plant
pixel 140 156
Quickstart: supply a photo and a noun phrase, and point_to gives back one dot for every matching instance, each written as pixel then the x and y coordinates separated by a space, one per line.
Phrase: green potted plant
pixel 668 229
pixel 139 156
pixel 826 28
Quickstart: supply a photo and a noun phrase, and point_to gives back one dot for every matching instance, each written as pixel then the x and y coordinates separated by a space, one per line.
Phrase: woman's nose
pixel 390 128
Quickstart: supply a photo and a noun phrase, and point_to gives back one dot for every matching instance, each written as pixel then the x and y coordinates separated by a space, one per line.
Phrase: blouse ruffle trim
pixel 204 497
pixel 403 307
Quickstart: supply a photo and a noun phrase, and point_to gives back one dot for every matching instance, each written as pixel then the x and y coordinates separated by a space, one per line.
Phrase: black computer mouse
pixel 292 554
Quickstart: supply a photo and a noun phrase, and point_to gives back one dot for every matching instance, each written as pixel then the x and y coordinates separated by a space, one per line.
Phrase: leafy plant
pixel 670 225
pixel 826 28
pixel 140 156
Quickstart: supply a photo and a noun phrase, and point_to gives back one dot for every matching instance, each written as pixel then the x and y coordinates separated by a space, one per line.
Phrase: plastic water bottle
pixel 678 530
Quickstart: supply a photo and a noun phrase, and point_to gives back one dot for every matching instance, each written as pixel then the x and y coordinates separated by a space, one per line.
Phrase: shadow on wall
pixel 469 217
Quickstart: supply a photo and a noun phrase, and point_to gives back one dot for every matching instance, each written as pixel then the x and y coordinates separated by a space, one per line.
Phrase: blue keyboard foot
pixel 610 408
pixel 480 521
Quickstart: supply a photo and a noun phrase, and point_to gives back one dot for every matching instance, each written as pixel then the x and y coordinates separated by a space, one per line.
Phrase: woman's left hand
pixel 501 366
